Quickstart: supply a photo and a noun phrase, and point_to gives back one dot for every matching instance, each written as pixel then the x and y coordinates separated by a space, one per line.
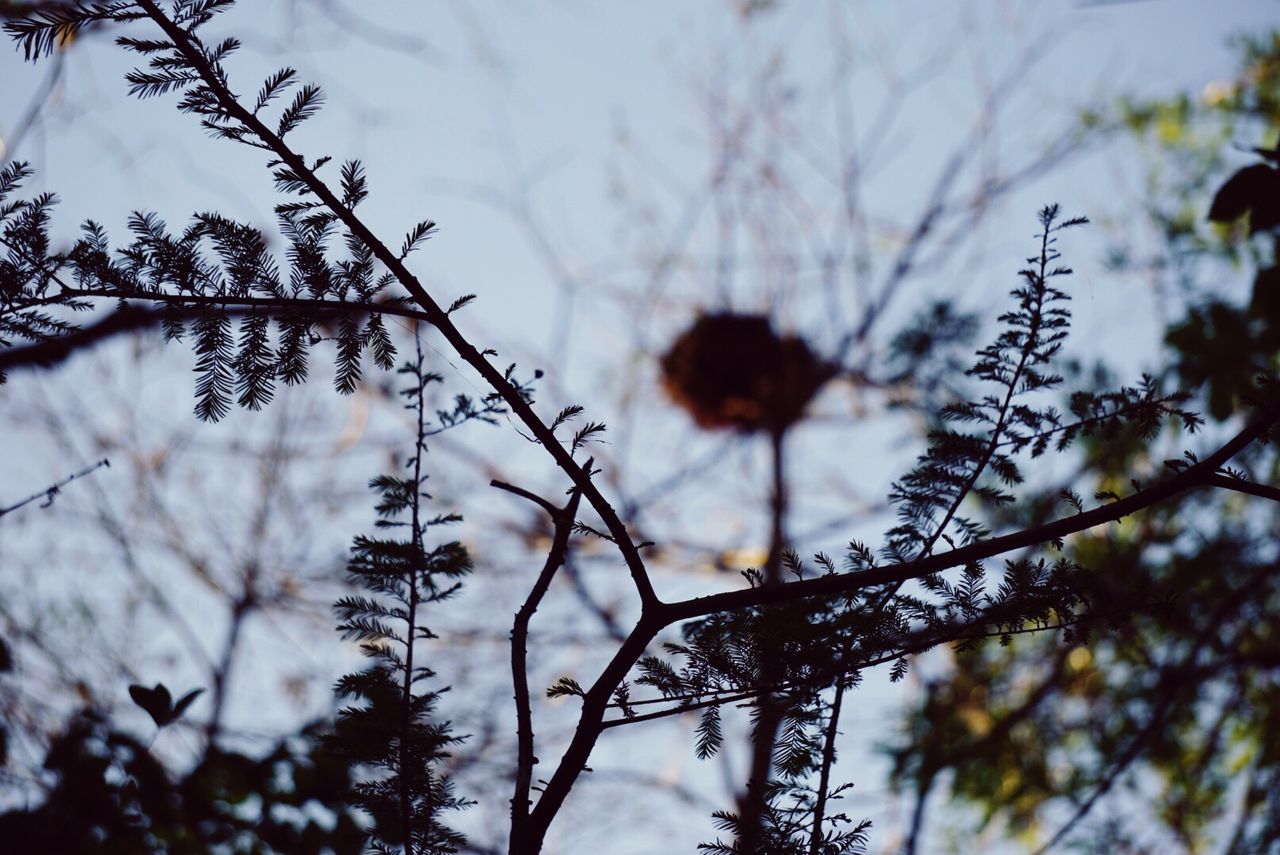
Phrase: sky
pixel 569 151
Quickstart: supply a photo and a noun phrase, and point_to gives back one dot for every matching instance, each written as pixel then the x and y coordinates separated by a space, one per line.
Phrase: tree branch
pixel 49 493
pixel 434 313
pixel 525 759
pixel 556 513
pixel 1241 486
pixel 1197 475
pixel 824 772
pixel 130 319
pixel 574 759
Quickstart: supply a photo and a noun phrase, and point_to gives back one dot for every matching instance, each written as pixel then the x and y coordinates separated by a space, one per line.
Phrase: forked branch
pixel 563 521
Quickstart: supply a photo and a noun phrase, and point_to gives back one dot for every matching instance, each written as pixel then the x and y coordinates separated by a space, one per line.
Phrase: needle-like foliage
pixel 390 730
pixel 251 324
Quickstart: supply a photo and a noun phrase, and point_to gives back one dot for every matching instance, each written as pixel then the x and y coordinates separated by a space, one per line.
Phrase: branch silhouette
pixel 435 315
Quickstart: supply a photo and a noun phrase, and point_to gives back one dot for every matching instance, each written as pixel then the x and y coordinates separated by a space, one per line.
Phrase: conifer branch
pixel 179 307
pixel 909 645
pixel 406 788
pixel 391 731
pixel 438 317
pixel 824 771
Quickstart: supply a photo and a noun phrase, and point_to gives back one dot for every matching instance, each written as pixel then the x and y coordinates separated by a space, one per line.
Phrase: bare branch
pixel 564 518
pixel 556 513
pixel 52 491
pixel 1240 485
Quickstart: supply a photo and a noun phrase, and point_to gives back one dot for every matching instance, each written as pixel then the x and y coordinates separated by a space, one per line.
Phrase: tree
pixel 790 644
pixel 1174 710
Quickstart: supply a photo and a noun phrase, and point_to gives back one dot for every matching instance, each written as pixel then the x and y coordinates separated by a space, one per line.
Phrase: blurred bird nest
pixel 733 371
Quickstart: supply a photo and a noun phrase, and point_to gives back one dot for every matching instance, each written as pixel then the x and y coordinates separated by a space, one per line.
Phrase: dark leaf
pixel 185 701
pixel 1242 191
pixel 157 702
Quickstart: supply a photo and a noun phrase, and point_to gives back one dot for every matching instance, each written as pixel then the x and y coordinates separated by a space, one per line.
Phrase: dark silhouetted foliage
pixel 977 555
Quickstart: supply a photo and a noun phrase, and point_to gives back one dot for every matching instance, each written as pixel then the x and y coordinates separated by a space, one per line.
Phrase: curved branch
pixel 551 509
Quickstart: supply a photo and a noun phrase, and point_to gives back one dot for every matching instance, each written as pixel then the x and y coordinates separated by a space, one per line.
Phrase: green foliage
pixel 1175 703
pixel 1221 342
pixel 1222 345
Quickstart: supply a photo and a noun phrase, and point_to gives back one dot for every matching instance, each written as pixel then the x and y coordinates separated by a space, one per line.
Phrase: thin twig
pixel 51 492
pixel 824 773
pixel 38 102
pixel 551 509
